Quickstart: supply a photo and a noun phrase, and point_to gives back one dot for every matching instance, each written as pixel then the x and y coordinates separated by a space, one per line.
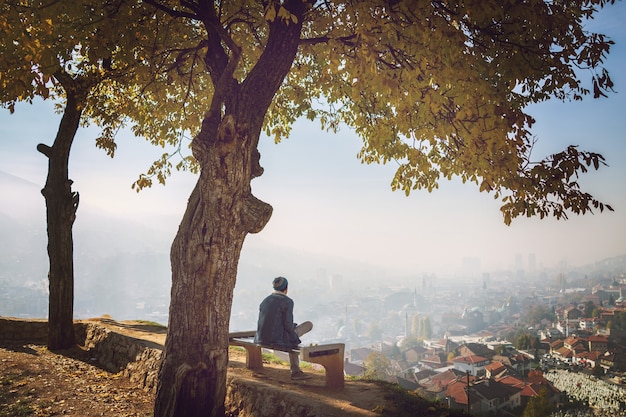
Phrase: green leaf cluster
pixel 104 48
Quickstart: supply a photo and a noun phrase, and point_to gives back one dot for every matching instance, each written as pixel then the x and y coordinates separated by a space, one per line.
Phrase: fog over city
pixel 122 266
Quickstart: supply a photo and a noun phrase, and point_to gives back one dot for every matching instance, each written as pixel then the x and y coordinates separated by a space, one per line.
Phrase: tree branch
pixel 170 11
pixel 346 40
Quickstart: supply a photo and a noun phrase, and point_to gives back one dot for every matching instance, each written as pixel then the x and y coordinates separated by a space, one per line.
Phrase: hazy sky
pixel 326 202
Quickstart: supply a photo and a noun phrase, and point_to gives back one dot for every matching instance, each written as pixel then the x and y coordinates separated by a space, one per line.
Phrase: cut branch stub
pixel 44 149
pixel 255 214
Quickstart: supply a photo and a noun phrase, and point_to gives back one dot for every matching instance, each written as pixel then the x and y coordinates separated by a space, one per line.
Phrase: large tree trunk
pixel 61 206
pixel 220 213
pixel 204 256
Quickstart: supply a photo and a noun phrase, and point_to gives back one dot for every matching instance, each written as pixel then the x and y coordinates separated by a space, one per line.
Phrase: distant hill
pixel 601 271
pixel 120 264
pixel 115 259
pixel 616 263
pixel 21 199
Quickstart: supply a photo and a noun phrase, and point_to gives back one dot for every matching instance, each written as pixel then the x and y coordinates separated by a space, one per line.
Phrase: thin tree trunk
pixel 61 206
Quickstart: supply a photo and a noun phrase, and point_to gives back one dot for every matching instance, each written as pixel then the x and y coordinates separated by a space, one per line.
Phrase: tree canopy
pixel 438 88
pixel 377 366
pixel 51 46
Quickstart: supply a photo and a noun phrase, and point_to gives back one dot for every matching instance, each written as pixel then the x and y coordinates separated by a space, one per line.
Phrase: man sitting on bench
pixel 276 328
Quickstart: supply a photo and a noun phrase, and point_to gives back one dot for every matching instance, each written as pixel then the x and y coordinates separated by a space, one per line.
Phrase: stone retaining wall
pixel 139 360
pixel 257 399
pixel 33 330
pixel 136 359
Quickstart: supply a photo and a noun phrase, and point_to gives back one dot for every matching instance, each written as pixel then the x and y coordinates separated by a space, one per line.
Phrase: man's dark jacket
pixel 276 326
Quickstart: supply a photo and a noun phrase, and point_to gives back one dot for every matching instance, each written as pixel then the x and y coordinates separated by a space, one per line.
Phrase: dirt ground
pixel 37 382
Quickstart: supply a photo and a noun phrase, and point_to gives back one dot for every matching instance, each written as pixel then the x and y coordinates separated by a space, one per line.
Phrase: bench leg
pixel 333 365
pixel 254 358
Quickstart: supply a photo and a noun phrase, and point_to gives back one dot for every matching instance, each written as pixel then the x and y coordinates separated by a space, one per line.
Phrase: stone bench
pixel 330 356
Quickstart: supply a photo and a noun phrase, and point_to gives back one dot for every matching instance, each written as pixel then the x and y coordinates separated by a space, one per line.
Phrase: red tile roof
pixel 469 359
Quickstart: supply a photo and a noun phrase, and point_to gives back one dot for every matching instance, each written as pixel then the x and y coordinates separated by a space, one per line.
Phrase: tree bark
pixel 61 206
pixel 204 256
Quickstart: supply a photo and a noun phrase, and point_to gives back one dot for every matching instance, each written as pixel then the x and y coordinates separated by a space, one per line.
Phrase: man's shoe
pixel 297 376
